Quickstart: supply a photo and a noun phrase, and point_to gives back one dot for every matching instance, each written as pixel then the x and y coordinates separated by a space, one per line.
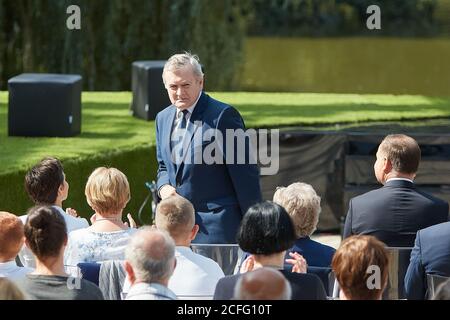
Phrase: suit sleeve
pixel 245 177
pixel 162 175
pixel 415 285
pixel 348 222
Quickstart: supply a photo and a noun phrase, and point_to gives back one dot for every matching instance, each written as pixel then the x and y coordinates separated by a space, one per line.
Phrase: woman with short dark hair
pixel 266 232
pixel 266 229
pixel 46 236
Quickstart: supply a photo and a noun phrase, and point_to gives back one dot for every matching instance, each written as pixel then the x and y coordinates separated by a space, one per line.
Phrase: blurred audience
pixel 430 255
pixel 266 232
pixel 107 192
pixel 9 291
pixel 46 184
pixel 12 239
pixel 262 284
pixel 303 205
pixel 361 268
pixel 150 262
pixel 395 212
pixel 195 275
pixel 46 236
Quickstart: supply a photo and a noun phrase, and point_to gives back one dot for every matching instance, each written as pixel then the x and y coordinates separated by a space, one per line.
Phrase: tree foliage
pixel 345 17
pixel 114 33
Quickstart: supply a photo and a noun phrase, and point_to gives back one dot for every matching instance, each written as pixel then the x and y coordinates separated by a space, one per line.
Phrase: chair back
pixel 398 265
pixel 90 271
pixel 433 283
pixel 227 256
pixel 326 275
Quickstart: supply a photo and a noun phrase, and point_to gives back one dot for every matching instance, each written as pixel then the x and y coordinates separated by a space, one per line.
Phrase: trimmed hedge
pixel 138 164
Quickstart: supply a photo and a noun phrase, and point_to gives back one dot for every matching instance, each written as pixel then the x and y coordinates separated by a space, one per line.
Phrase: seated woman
pixel 303 205
pixel 266 232
pixel 361 268
pixel 107 193
pixel 46 236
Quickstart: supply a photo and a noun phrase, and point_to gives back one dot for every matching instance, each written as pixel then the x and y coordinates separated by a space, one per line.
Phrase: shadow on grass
pixel 254 112
pixel 106 135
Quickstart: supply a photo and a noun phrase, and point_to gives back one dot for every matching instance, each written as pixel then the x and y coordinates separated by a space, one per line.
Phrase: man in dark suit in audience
pixel 431 254
pixel 395 212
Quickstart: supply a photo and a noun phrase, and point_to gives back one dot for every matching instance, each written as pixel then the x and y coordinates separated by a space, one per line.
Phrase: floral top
pixel 90 246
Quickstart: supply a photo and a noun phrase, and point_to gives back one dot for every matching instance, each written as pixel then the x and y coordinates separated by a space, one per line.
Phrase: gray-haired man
pixel 149 263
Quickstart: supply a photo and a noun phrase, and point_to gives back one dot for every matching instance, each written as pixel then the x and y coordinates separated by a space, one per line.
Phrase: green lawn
pixel 111 137
pixel 107 126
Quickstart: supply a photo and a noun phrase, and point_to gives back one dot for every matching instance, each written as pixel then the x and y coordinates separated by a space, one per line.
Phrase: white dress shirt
pixel 404 179
pixel 195 276
pixel 86 245
pixel 13 272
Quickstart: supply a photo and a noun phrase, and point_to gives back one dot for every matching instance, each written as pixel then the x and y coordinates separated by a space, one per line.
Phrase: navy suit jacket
pixel 315 253
pixel 394 213
pixel 304 286
pixel 220 193
pixel 431 254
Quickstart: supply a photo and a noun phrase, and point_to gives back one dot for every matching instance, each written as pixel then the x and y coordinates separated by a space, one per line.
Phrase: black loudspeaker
pixel 149 94
pixel 44 105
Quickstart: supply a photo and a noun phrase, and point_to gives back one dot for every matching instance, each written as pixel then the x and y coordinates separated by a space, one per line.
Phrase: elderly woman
pixel 361 268
pixel 46 236
pixel 266 231
pixel 107 193
pixel 303 206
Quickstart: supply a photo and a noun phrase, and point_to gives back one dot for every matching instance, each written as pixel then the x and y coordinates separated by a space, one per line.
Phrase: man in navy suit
pixel 193 153
pixel 431 254
pixel 395 212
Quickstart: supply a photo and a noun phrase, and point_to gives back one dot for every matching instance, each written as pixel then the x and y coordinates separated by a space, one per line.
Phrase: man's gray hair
pixel 181 60
pixel 151 253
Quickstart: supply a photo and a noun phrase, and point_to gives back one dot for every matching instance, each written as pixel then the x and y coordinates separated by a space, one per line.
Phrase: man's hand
pixel 167 191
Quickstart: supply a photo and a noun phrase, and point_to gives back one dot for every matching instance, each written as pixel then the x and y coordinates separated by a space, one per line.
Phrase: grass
pixel 107 126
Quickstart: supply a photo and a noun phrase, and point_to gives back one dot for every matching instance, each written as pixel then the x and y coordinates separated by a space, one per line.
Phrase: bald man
pixel 262 284
pixel 149 263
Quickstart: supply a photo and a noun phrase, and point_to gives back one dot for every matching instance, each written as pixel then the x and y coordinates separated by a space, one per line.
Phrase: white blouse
pixel 86 245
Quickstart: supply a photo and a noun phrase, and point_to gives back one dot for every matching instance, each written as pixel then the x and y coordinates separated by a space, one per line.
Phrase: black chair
pixel 327 277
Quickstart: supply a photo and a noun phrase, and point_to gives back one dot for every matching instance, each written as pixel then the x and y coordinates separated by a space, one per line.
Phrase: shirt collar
pixel 404 179
pixel 183 249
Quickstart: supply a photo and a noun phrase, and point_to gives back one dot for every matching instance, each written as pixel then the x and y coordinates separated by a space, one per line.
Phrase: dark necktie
pixel 178 136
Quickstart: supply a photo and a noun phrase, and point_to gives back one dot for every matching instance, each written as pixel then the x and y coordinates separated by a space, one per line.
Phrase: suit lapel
pixel 167 136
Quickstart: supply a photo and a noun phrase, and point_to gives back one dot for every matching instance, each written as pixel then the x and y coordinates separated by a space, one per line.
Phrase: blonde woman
pixel 107 193
pixel 302 204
